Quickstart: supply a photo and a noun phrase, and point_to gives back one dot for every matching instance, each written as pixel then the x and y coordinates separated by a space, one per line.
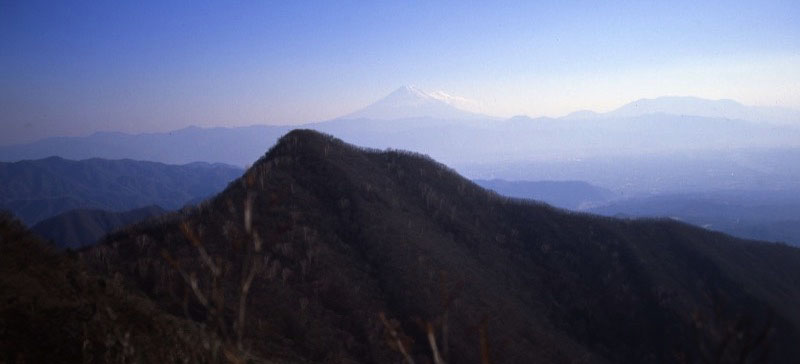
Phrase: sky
pixel 73 68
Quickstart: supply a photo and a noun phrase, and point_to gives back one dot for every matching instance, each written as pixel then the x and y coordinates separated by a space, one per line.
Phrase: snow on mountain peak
pixel 411 102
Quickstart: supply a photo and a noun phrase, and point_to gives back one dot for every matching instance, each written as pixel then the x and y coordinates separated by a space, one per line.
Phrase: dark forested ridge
pixel 37 189
pixel 80 227
pixel 53 310
pixel 349 255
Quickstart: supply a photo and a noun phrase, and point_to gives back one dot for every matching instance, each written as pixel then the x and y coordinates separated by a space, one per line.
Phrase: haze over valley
pixel 655 144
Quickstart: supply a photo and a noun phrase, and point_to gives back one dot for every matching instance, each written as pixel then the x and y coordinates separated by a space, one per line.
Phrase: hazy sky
pixel 74 67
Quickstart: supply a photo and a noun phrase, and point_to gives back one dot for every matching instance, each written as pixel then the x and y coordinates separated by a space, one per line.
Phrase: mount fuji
pixel 410 102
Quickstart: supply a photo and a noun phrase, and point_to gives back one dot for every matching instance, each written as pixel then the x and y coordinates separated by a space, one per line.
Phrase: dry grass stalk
pixel 483 332
pixel 213 297
pixel 396 337
pixel 437 358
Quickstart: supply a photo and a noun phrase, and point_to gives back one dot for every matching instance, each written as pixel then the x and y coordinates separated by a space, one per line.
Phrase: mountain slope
pixel 53 310
pixel 38 189
pixel 349 234
pixel 80 227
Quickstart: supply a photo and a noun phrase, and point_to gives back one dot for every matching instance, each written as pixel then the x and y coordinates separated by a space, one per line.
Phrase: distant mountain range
pixel 80 227
pixel 355 246
pixel 236 146
pixel 38 189
pixel 694 106
pixel 658 145
pixel 429 123
pixel 633 175
pixel 768 215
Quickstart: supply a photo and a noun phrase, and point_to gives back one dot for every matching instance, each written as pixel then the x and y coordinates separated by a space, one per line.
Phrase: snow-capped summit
pixel 410 102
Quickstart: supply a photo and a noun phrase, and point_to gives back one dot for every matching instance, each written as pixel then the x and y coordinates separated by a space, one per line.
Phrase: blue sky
pixel 72 68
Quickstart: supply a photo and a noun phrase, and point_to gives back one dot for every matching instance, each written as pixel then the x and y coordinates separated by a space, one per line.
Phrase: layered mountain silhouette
pixel 436 124
pixel 695 106
pixel 76 228
pixel 358 255
pixel 236 146
pixel 769 215
pixel 38 189
pixel 761 215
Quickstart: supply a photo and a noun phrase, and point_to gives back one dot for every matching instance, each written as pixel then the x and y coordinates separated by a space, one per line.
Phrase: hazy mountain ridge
pixel 38 189
pixel 678 172
pixel 406 123
pixel 237 146
pixel 767 215
pixel 761 215
pixel 642 150
pixel 695 106
pixel 350 233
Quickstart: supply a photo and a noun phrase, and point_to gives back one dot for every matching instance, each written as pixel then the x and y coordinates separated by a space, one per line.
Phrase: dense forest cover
pixel 334 253
pixel 54 310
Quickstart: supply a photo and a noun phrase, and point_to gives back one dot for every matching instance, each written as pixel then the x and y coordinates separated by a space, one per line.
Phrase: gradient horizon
pixel 72 69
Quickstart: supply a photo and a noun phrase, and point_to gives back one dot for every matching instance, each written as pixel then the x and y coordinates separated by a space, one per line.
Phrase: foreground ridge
pixel 369 252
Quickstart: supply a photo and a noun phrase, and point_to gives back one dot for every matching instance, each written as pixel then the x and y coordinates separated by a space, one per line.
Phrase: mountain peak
pixel 581 114
pixel 410 91
pixel 303 138
pixel 302 142
pixel 694 106
pixel 357 234
pixel 680 104
pixel 409 102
